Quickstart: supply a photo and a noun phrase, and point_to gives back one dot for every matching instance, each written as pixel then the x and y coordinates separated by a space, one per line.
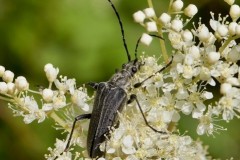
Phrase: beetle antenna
pixel 122 30
pixel 138 41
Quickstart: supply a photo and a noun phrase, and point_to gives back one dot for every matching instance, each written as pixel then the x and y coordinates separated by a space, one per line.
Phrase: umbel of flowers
pixel 198 61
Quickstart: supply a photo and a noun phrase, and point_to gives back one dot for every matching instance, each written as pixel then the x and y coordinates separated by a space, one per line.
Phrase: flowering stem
pixel 221 49
pixel 150 4
pixel 5 99
pixel 162 42
pixel 57 119
pixel 32 91
pixel 170 4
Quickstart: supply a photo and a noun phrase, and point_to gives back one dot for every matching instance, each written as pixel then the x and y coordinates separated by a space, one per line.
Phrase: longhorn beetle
pixel 109 99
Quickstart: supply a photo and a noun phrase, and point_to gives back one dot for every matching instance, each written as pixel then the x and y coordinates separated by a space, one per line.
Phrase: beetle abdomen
pixel 109 99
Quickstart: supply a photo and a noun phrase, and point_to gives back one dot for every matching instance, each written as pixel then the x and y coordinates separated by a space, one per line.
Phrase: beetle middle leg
pixel 134 97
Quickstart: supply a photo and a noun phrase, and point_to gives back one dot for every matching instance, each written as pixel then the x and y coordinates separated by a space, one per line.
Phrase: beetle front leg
pixel 134 97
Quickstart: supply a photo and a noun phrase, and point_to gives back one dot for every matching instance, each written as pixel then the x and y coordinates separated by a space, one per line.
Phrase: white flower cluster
pixel 24 101
pixel 203 59
pixel 200 62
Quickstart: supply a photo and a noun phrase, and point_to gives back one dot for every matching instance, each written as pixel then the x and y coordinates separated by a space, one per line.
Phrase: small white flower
pixel 51 72
pixel 232 28
pixel 59 101
pixel 177 25
pixel 195 52
pixel 29 118
pixel 79 98
pixel 230 2
pixel 187 36
pixel 3 88
pixel 165 18
pixel 238 29
pixel 234 12
pixel 65 85
pixel 151 27
pixel 177 5
pixel 127 146
pixel 146 39
pixel 233 81
pixel 139 17
pixel 11 87
pixel 225 88
pixel 207 95
pixel 2 70
pixel 222 30
pixel 205 74
pixel 203 33
pixel 8 76
pixel 21 83
pixel 47 95
pixel 149 12
pixel 213 57
pixel 190 10
pixel 233 55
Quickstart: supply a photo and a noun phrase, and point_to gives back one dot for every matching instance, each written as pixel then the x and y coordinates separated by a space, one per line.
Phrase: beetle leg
pixel 78 118
pixel 159 71
pixel 134 97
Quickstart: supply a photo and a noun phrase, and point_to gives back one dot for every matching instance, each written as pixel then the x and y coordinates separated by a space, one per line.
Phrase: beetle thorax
pixel 122 77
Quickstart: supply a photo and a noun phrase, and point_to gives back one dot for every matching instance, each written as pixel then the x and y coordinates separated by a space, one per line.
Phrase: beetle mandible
pixel 110 98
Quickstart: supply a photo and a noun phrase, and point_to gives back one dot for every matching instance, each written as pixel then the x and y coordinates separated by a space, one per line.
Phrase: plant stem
pixel 57 119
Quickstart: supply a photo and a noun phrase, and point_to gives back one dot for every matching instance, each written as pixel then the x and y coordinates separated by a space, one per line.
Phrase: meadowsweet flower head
pixel 203 55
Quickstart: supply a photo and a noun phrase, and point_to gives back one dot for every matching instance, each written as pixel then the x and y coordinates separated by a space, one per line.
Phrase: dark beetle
pixel 110 98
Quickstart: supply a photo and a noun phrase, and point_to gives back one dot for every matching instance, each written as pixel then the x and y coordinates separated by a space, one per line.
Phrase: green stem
pixel 32 91
pixel 150 4
pixel 221 49
pixel 170 5
pixel 162 42
pixel 6 99
pixel 57 119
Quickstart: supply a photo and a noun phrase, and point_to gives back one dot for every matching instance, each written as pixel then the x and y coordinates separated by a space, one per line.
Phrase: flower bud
pixel 232 28
pixel 238 30
pixel 190 10
pixel 3 88
pixel 234 12
pixel 2 70
pixel 51 72
pixel 11 87
pixel 146 39
pixel 149 12
pixel 222 30
pixel 139 17
pixel 21 83
pixel 230 2
pixel 47 95
pixel 177 5
pixel 8 76
pixel 187 36
pixel 225 88
pixel 165 18
pixel 203 33
pixel 213 57
pixel 151 27
pixel 177 25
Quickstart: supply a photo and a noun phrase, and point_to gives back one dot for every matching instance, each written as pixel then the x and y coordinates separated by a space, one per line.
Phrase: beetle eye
pixel 134 69
pixel 124 65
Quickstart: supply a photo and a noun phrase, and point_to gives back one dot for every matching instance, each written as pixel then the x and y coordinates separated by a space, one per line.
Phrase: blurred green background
pixel 83 39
